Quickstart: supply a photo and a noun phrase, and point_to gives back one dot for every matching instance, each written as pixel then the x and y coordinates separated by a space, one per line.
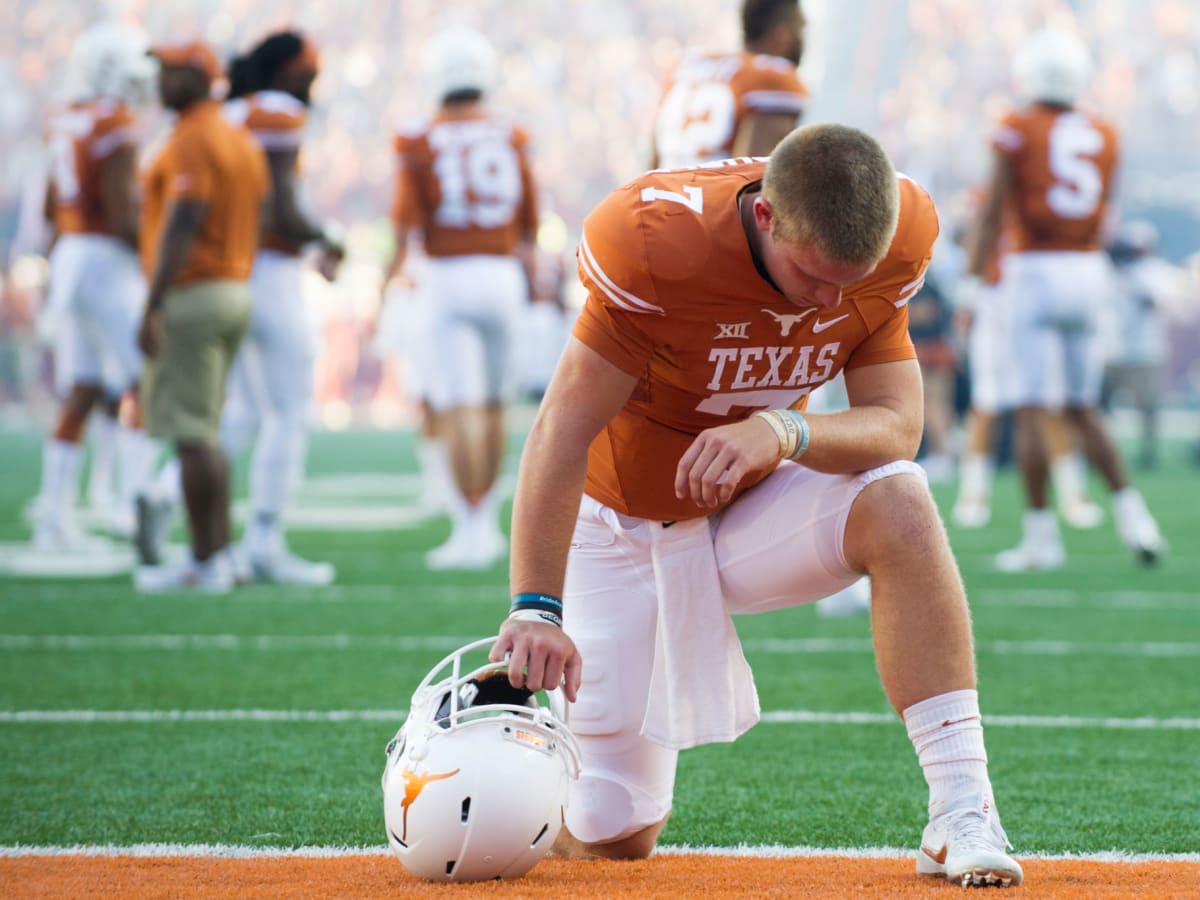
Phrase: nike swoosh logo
pixel 939 857
pixel 818 327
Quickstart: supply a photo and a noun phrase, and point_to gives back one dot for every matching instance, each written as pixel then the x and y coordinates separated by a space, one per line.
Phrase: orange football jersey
pixel 277 120
pixel 465 182
pixel 81 137
pixel 676 299
pixel 207 159
pixel 708 96
pixel 1063 164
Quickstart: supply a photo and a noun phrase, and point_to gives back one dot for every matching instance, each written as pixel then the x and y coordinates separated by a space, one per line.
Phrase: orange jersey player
pixel 96 290
pixel 271 385
pixel 465 187
pixel 687 310
pixel 1053 177
pixel 673 479
pixel 716 106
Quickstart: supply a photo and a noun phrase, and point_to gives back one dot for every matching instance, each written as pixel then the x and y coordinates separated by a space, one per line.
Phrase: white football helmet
pixel 1053 66
pixel 458 59
pixel 110 61
pixel 476 780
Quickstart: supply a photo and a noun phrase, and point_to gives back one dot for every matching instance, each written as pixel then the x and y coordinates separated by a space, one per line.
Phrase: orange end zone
pixel 663 876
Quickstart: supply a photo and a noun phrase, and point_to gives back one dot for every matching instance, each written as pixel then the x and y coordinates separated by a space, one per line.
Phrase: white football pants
pixel 270 391
pixel 474 302
pixel 779 545
pixel 97 292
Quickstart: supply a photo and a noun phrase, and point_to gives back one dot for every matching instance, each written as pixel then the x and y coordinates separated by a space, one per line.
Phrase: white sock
pixel 437 482
pixel 947 733
pixel 101 473
pixel 138 453
pixel 61 462
pixel 1040 526
pixel 1069 474
pixel 168 484
pixel 1129 504
pixel 975 478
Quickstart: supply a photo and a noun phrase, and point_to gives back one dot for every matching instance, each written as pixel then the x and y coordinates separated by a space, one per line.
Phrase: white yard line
pixel 776 717
pixel 983 598
pixel 414 643
pixel 236 851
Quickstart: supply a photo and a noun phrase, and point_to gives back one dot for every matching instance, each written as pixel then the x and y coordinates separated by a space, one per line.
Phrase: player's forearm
pixel 860 438
pixel 549 487
pixel 179 236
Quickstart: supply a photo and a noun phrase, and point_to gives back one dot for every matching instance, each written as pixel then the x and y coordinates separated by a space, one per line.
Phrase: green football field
pixel 260 719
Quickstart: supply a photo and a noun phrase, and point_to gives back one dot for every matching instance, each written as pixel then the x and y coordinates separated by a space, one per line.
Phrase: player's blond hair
pixel 833 186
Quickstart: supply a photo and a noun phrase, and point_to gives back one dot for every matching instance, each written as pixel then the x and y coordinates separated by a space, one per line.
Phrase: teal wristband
pixel 534 600
pixel 802 424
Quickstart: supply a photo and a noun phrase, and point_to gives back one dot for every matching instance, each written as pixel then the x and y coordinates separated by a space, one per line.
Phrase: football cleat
pixel 476 780
pixel 965 844
pixel 1030 557
pixel 284 567
pixel 215 576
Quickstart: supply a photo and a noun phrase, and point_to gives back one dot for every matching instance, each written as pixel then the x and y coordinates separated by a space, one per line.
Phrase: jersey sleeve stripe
pixel 278 139
pixel 909 291
pixel 620 297
pixel 775 101
pixel 107 144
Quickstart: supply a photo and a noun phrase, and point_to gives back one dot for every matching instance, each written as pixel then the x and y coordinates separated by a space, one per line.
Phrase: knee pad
pixel 601 809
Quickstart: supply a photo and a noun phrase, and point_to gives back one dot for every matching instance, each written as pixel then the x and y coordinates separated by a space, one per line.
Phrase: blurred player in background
pixel 1145 284
pixel 716 106
pixel 96 289
pixel 271 384
pixel 465 187
pixel 984 320
pixel 930 324
pixel 205 196
pixel 1053 177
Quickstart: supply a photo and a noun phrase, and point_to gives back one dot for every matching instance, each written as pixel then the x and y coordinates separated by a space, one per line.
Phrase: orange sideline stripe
pixel 680 875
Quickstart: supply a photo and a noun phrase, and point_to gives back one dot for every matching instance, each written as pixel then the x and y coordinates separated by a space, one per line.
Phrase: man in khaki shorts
pixel 204 196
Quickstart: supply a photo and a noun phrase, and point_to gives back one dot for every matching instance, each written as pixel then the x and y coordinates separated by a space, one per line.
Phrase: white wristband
pixel 536 615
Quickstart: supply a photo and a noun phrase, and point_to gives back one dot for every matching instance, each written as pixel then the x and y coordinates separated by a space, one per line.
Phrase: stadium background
pixel 259 720
pixel 925 76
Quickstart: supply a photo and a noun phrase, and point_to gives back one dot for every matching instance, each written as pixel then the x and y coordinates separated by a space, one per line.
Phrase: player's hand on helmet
pixel 719 458
pixel 541 656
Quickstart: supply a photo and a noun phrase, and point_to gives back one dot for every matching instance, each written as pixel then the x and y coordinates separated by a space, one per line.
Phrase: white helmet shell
pixel 1053 66
pixel 476 780
pixel 110 61
pixel 458 59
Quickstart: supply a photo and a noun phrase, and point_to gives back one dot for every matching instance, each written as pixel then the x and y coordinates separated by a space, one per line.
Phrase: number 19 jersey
pixel 1063 165
pixel 465 182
